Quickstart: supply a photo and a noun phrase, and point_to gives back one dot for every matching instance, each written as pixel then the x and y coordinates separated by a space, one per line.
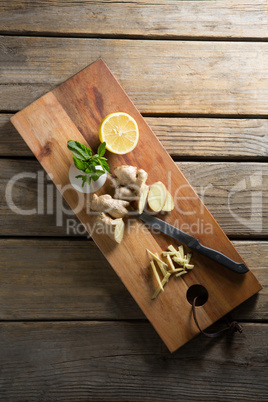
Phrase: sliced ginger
pixel 177 256
pixel 156 258
pixel 156 275
pixel 169 204
pixel 114 228
pixel 170 263
pixel 160 287
pixel 143 195
pixel 157 196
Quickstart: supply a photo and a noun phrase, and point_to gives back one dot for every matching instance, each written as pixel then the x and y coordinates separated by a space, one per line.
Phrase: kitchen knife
pixel 193 243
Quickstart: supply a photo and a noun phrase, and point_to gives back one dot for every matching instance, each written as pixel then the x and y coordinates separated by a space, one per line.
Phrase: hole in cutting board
pixel 198 291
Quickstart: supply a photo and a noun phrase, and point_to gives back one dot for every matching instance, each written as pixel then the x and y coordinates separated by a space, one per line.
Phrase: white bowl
pixel 77 182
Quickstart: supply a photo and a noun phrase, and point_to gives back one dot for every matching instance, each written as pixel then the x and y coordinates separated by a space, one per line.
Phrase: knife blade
pixel 193 243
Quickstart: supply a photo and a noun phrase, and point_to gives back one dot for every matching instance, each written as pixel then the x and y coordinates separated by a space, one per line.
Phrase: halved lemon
pixel 120 132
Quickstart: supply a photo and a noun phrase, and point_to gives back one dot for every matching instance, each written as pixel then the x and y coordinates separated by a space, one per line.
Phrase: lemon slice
pixel 120 132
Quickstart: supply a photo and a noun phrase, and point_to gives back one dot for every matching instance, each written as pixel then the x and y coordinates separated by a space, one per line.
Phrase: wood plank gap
pixel 256 237
pixel 259 238
pixel 205 115
pixel 125 36
pixel 130 320
pixel 137 321
pixel 19 157
pixel 83 238
pixel 46 237
pixel 176 158
pixel 200 158
pixel 181 115
pixel 2 111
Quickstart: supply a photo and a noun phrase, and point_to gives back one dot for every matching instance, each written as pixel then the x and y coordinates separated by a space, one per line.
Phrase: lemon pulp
pixel 120 132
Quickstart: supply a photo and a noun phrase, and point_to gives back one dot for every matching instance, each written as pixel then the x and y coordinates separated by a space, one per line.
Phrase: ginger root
pixel 124 193
pixel 142 190
pixel 114 228
pixel 143 195
pixel 141 179
pixel 136 189
pixel 105 203
pixel 126 175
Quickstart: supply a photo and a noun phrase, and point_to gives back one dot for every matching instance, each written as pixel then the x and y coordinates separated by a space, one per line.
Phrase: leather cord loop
pixel 231 325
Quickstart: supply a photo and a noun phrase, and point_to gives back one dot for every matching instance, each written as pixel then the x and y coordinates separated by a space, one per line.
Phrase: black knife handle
pixel 222 259
pixel 193 243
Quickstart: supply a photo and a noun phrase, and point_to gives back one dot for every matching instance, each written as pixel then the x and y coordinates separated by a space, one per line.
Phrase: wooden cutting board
pixel 74 111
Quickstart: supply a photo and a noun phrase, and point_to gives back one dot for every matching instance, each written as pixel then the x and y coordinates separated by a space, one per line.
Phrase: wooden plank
pixel 70 279
pixel 189 77
pixel 213 181
pixel 181 137
pixel 119 361
pixel 212 138
pixel 74 110
pixel 11 143
pixel 164 18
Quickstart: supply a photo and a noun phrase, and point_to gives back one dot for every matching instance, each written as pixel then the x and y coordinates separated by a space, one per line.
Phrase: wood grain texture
pixel 182 137
pixel 164 18
pixel 213 181
pixel 212 138
pixel 71 279
pixel 108 361
pixel 174 76
pixel 40 279
pixel 75 110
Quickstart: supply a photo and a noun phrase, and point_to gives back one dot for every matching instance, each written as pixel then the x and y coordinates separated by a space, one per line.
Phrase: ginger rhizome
pixel 130 189
pixel 114 228
pixel 106 203
pixel 130 185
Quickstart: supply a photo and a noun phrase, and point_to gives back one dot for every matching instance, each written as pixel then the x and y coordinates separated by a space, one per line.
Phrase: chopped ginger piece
pixel 189 256
pixel 189 266
pixel 181 261
pixel 156 275
pixel 159 289
pixel 166 278
pixel 161 265
pixel 177 256
pixel 172 248
pixel 170 263
pixel 181 273
pixel 178 270
pixel 156 258
pixel 156 293
pixel 181 251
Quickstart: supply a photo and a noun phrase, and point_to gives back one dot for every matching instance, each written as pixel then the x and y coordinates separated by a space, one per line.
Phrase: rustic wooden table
pixel 198 71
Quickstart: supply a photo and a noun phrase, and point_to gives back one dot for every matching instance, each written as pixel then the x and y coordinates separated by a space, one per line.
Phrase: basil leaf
pixel 94 162
pixel 79 164
pixel 82 152
pixel 104 165
pixel 101 149
pixel 86 162
pixel 96 174
pixel 90 168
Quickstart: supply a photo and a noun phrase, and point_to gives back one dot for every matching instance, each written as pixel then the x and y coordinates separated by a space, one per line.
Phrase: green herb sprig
pixel 85 161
